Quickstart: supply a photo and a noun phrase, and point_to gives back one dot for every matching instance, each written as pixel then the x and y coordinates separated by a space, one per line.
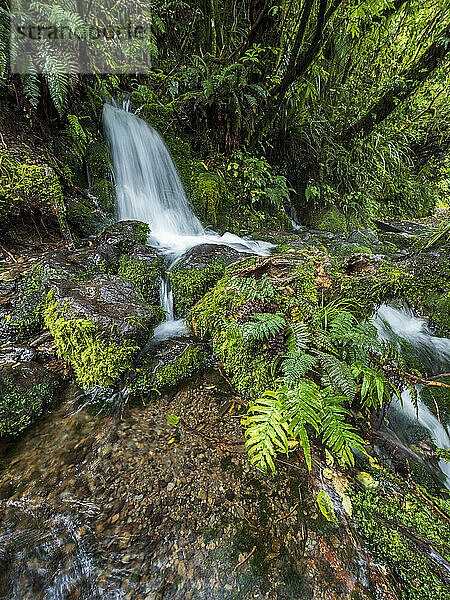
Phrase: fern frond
pixel 298 336
pixel 303 406
pixel 340 374
pixel 263 326
pixel 265 430
pixel 339 436
pixel 295 366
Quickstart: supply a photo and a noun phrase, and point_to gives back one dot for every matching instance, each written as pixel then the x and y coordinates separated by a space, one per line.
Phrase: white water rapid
pixel 394 323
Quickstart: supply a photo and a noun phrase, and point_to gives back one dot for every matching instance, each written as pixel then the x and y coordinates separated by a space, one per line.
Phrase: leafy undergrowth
pixel 293 335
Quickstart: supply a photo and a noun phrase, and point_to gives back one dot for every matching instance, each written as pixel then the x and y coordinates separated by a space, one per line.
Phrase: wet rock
pixel 107 301
pixel 102 257
pixel 98 325
pixel 123 235
pixel 143 266
pixel 199 270
pixel 14 353
pixel 363 237
pixel 25 390
pixel 170 363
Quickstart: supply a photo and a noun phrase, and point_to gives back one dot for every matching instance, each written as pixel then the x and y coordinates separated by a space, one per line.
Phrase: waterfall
pixel 396 324
pixel 147 184
pixel 149 189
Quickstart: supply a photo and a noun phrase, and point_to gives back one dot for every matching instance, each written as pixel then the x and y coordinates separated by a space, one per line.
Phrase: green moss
pixel 189 285
pixel 351 249
pixel 141 233
pixel 103 190
pixel 27 318
pixel 153 375
pixel 146 276
pixel 331 220
pixel 96 361
pixel 84 216
pixel 26 187
pixel 20 408
pixel 391 519
pixel 209 193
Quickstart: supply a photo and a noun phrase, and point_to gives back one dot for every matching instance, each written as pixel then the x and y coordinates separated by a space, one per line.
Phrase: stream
pixel 99 507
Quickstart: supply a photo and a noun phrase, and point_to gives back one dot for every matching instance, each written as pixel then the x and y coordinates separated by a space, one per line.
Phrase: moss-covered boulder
pixel 431 271
pixel 199 270
pixel 26 187
pixel 144 267
pixel 168 364
pixel 25 390
pixel 103 256
pixel 98 325
pixel 330 219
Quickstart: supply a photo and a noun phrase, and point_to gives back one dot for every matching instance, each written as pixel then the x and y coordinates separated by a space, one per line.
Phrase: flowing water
pixel 398 325
pixel 148 189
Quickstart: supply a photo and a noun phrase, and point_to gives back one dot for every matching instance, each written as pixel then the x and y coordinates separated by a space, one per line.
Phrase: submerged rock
pixel 25 390
pixel 14 353
pixel 169 363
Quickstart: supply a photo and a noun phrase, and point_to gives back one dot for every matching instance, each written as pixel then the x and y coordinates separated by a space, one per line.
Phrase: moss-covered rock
pixel 407 531
pixel 168 364
pixel 26 187
pixel 330 219
pixel 98 325
pixel 25 390
pixel 144 268
pixel 198 271
pixel 84 217
pixel 103 256
pixel 298 282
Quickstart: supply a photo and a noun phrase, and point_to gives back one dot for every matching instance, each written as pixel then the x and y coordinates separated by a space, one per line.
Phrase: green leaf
pixel 326 507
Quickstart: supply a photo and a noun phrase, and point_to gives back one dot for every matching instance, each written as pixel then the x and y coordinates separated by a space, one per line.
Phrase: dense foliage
pixel 321 102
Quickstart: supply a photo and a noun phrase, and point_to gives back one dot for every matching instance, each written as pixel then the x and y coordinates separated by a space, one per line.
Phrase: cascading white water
pixel 149 189
pixel 147 185
pixel 393 323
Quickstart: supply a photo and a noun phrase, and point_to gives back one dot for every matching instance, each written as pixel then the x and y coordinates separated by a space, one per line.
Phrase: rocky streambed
pixel 102 507
pixel 154 498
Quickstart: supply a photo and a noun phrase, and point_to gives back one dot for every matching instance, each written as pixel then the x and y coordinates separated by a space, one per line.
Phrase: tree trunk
pixel 408 82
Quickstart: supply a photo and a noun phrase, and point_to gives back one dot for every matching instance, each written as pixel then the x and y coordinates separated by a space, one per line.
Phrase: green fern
pixel 303 407
pixel 263 326
pixel 339 436
pixel 340 374
pixel 266 430
pixel 296 365
pixel 254 289
pixel 298 336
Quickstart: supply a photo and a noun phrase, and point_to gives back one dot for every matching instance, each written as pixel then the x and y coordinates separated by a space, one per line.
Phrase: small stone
pixel 335 541
pixel 170 486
